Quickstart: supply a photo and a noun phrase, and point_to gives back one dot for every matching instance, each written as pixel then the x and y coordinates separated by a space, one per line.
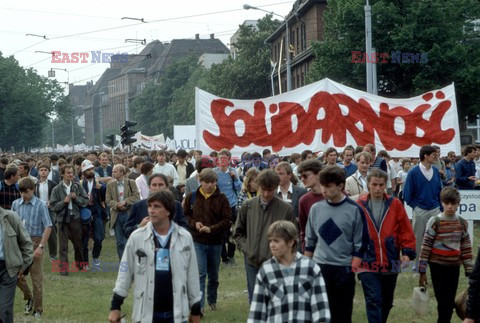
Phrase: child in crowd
pixel 402 176
pixel 446 245
pixel 302 295
pixel 449 173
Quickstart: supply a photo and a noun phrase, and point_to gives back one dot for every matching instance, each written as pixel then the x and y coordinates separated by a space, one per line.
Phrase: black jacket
pixel 473 301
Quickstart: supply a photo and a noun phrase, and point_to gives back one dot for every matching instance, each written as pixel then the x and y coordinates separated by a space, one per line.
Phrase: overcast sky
pixel 68 26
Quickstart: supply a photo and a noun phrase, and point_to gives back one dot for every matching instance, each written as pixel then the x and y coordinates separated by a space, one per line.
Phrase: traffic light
pixel 111 141
pixel 127 134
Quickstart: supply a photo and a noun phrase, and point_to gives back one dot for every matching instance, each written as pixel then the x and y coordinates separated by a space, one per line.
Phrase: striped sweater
pixel 447 242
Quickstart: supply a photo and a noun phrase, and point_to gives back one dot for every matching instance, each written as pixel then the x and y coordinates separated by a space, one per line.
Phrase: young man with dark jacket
pixel 208 214
pixel 253 220
pixel 390 233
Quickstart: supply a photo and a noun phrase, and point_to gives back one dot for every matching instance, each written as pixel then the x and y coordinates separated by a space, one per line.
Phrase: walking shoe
pixel 37 315
pixel 64 273
pixel 29 307
pixel 213 307
pixel 112 232
pixel 53 259
pixel 231 262
pixel 96 265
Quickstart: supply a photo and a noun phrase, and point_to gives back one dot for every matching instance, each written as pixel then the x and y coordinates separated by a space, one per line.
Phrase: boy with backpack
pixel 446 245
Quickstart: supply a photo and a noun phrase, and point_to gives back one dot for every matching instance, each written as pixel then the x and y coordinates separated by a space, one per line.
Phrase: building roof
pixel 146 58
pixel 109 74
pixel 180 48
pixel 298 9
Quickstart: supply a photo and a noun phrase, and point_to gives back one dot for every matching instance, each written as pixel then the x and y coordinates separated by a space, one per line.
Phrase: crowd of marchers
pixel 306 225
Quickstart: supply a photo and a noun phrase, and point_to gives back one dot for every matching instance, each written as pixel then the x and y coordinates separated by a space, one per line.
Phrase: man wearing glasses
pixel 309 173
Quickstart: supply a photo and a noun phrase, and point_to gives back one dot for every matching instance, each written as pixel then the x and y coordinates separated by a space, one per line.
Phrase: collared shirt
pixel 288 196
pixel 206 195
pixel 68 190
pixel 428 173
pixel 2 255
pixel 289 303
pixel 34 215
pixel 362 179
pixel 182 172
pixel 121 191
pixel 43 191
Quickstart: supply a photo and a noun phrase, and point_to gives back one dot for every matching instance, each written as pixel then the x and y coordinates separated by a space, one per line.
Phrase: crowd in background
pixel 347 211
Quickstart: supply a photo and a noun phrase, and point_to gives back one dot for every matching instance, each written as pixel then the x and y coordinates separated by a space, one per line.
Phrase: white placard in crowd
pixel 184 137
pixel 327 114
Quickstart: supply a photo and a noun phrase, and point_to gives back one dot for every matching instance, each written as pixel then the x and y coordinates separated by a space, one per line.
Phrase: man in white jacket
pixel 160 258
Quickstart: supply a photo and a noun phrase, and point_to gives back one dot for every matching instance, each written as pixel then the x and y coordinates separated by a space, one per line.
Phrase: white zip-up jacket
pixel 141 270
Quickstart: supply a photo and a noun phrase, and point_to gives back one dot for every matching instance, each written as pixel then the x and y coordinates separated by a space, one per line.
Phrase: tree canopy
pixel 441 29
pixel 26 102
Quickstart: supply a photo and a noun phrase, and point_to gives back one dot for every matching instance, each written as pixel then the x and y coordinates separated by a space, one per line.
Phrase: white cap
pixel 86 164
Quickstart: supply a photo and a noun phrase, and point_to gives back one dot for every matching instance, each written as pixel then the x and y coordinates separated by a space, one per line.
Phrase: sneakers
pixel 53 259
pixel 213 307
pixel 112 232
pixel 29 307
pixel 96 265
pixel 37 315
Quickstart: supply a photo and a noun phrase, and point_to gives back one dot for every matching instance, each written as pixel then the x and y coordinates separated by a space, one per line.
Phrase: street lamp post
pixel 287 42
pixel 93 118
pixel 101 115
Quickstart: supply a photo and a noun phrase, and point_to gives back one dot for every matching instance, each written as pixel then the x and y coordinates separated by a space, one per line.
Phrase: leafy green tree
pixel 442 29
pixel 150 109
pixel 26 100
pixel 247 76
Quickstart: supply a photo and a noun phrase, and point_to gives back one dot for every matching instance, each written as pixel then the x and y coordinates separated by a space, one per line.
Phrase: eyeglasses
pixel 305 175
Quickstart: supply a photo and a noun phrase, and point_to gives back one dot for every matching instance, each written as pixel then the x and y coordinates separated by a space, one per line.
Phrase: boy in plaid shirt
pixel 289 287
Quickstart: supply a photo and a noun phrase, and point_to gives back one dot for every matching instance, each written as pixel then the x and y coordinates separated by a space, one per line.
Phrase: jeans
pixel 119 229
pixel 98 235
pixel 251 277
pixel 208 258
pixel 340 284
pixel 7 294
pixel 445 283
pixel 378 290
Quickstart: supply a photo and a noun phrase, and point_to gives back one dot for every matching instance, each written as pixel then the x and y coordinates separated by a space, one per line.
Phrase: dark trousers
pixel 7 294
pixel 71 231
pixel 251 272
pixel 228 248
pixel 120 235
pixel 98 235
pixel 445 283
pixel 340 284
pixel 53 239
pixel 378 290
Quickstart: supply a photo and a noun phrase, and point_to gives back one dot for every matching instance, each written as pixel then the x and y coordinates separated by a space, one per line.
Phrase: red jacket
pixel 393 235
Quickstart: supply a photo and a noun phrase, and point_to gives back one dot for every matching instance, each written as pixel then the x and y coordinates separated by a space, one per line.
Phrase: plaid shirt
pixel 34 215
pixel 300 297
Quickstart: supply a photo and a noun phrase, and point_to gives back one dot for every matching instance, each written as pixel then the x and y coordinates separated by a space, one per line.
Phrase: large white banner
pixel 327 114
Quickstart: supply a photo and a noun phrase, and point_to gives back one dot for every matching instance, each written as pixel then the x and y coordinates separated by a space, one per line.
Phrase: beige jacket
pixel 17 245
pixel 183 262
pixel 130 193
pixel 354 186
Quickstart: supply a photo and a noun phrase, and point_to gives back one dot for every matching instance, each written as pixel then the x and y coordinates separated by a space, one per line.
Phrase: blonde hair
pixel 284 230
pixel 249 176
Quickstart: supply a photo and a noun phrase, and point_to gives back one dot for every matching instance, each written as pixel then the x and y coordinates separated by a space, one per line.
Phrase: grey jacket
pixel 184 268
pixel 17 245
pixel 59 207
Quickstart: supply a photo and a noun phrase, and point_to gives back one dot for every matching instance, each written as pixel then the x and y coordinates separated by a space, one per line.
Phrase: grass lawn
pixel 85 297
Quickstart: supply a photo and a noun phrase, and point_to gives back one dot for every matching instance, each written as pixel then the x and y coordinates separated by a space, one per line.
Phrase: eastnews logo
pixel 74 267
pixel 95 57
pixel 396 266
pixel 396 57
